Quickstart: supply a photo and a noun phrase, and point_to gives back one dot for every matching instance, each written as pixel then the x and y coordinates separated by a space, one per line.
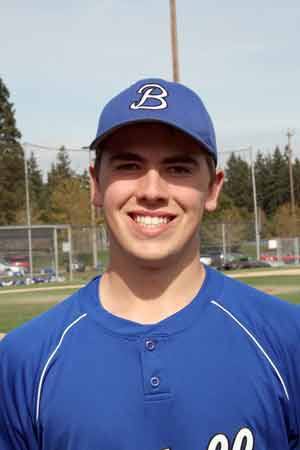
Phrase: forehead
pixel 145 136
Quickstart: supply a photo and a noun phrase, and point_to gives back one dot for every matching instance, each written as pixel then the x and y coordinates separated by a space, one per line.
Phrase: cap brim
pixel 112 130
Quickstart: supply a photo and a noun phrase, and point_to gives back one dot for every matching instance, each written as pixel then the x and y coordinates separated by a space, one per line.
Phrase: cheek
pixel 190 199
pixel 116 193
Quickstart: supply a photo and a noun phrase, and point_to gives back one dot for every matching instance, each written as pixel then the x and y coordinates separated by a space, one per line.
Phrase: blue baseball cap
pixel 157 100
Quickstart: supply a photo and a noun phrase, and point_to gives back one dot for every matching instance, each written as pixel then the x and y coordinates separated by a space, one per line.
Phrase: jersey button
pixel 150 345
pixel 155 382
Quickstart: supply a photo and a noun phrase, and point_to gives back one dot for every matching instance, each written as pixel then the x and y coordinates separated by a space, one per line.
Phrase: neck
pixel 147 293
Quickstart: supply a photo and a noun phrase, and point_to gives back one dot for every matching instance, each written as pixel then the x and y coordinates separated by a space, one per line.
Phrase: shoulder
pixel 32 342
pixel 258 306
pixel 27 351
pixel 274 321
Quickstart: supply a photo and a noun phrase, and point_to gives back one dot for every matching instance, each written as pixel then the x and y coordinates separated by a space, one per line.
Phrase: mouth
pixel 152 220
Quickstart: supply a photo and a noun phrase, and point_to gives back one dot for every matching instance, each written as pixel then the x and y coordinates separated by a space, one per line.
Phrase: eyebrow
pixel 176 159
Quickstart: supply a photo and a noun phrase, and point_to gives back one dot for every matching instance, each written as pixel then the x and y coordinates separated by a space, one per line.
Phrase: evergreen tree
pixel 238 185
pixel 59 173
pixel 278 193
pixel 263 174
pixel 61 169
pixel 12 180
pixel 70 202
pixel 36 186
pixel 296 176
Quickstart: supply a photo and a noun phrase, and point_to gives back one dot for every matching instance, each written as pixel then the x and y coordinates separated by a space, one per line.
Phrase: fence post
pixel 28 211
pixel 70 252
pixel 296 247
pixel 55 252
pixel 224 242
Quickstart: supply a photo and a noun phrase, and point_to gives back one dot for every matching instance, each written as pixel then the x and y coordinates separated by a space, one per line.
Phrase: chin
pixel 154 257
pixel 153 262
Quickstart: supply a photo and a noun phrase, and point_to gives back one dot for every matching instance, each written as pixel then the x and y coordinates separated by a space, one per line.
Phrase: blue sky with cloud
pixel 63 60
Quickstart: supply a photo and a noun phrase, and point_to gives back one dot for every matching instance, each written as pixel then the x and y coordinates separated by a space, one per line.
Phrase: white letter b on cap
pixel 147 90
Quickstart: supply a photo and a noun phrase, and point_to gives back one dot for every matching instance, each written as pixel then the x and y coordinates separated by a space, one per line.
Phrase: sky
pixel 63 60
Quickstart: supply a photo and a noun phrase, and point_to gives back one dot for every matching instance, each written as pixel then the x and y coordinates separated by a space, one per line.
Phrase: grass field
pixel 21 304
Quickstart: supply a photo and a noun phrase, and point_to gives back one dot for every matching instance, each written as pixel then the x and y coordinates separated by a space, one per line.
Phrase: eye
pixel 127 166
pixel 179 170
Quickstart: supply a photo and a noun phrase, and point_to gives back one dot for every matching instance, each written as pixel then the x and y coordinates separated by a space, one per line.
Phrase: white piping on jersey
pixel 258 345
pixel 47 365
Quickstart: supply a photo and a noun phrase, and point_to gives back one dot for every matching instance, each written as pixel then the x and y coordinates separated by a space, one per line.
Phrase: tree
pixel 238 185
pixel 278 192
pixel 36 193
pixel 12 182
pixel 36 188
pixel 227 218
pixel 70 202
pixel 61 169
pixel 263 173
pixel 296 173
pixel 60 172
pixel 284 224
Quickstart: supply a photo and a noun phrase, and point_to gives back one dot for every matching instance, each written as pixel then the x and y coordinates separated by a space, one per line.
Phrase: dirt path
pixel 51 288
pixel 264 273
pixel 278 290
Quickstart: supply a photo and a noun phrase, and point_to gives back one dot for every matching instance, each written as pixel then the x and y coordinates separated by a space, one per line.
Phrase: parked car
pixel 240 261
pixel 77 266
pixel 47 271
pixel 19 261
pixel 233 261
pixel 212 258
pixel 9 270
pixel 206 259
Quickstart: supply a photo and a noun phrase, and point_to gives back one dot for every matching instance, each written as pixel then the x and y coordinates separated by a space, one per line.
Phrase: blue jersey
pixel 223 373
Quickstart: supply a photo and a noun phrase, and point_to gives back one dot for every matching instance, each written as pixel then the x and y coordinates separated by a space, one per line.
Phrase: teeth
pixel 151 221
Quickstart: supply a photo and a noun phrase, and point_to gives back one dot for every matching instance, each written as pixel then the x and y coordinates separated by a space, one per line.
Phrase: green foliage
pixel 61 170
pixel 272 187
pixel 283 224
pixel 12 182
pixel 279 192
pixel 296 173
pixel 263 167
pixel 9 134
pixel 69 202
pixel 238 184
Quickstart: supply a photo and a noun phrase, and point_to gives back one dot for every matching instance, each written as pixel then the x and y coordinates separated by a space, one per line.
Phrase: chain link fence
pixel 63 252
pixel 59 252
pixel 234 244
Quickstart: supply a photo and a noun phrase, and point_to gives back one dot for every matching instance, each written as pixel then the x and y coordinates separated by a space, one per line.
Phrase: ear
pixel 211 201
pixel 96 196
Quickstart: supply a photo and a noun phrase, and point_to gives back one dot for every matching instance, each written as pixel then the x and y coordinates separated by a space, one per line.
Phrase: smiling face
pixel 154 185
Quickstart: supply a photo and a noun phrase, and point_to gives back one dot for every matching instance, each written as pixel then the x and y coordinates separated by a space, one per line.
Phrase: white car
pixel 206 260
pixel 8 270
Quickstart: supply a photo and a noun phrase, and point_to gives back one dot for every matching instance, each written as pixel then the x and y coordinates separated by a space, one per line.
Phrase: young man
pixel 160 352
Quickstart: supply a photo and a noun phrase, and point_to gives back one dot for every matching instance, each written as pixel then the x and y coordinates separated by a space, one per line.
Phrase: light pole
pixel 174 40
pixel 257 235
pixel 290 134
pixel 93 216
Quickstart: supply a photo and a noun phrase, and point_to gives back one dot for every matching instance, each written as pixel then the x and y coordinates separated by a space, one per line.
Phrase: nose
pixel 152 187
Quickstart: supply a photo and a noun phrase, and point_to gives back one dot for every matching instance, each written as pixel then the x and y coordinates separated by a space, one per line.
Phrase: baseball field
pixel 18 305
